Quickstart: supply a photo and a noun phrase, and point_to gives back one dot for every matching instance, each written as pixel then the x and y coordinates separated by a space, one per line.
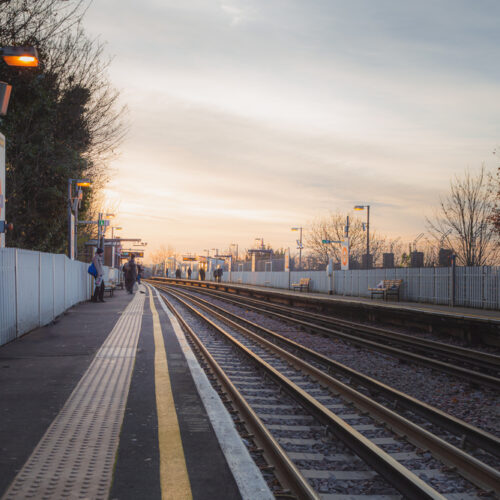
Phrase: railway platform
pixel 473 325
pixel 109 402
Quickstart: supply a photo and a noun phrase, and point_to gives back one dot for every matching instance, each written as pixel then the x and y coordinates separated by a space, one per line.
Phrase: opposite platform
pixel 103 404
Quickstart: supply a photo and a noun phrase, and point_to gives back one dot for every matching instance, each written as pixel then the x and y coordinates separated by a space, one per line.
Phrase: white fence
pixel 36 287
pixel 477 287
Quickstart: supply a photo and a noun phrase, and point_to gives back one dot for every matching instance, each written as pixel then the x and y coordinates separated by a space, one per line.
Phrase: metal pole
pixel 367 236
pixel 70 242
pixel 99 217
pixel 453 277
pixel 300 251
pixel 112 247
pixel 76 232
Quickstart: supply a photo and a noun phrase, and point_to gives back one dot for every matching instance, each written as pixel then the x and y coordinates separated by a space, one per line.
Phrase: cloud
pixel 249 116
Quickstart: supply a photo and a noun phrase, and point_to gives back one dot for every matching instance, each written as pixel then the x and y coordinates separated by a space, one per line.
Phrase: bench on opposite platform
pixel 304 283
pixel 389 287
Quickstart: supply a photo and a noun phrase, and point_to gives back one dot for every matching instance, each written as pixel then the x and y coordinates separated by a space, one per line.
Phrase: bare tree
pixel 495 188
pixel 332 227
pixel 463 221
pixel 162 254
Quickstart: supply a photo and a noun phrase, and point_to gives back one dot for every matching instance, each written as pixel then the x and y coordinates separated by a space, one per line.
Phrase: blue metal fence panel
pixel 7 295
pixel 28 290
pixel 46 288
pixel 474 286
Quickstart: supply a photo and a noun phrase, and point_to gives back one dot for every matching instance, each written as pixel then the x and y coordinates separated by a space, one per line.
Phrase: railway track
pixel 482 369
pixel 326 406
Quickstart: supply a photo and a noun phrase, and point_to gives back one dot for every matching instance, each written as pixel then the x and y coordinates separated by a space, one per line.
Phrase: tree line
pixel 64 121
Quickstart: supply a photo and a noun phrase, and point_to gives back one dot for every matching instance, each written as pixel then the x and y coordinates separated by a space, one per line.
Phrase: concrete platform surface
pixel 105 403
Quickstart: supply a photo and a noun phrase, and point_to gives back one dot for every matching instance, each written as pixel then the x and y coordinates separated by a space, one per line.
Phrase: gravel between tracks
pixel 446 481
pixel 479 407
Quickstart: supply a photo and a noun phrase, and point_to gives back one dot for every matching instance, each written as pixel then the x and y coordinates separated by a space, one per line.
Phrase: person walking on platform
pixel 201 274
pixel 178 273
pixel 139 272
pixel 99 281
pixel 130 270
pixel 220 274
pixel 189 273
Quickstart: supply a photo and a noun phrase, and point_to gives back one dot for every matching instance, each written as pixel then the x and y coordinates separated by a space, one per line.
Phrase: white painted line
pixel 246 474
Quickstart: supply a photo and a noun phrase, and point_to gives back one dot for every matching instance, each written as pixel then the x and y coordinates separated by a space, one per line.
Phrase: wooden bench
pixel 302 284
pixel 390 287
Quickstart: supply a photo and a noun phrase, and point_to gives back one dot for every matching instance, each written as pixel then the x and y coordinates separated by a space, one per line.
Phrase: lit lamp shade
pixel 20 56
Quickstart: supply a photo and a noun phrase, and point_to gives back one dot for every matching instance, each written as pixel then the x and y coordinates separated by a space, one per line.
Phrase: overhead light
pixel 20 56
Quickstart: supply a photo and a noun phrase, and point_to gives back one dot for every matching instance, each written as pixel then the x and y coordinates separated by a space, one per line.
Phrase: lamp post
pixel 113 229
pixel 13 56
pixel 299 243
pixel 362 207
pixel 73 206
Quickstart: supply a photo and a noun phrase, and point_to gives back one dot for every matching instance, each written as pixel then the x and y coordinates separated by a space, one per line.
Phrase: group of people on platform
pixel 217 273
pixel 132 273
pixel 131 269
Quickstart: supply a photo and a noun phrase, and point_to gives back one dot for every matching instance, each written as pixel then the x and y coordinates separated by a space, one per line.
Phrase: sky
pixel 251 117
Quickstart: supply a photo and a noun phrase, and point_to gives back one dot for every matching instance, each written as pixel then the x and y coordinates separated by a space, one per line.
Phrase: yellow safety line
pixel 174 479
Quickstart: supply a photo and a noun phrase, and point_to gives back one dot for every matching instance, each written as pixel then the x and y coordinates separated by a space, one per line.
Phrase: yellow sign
pixel 189 259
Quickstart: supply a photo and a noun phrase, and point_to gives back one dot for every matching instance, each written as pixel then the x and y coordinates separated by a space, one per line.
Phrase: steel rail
pixel 286 471
pixel 399 476
pixel 464 373
pixel 474 435
pixel 471 356
pixel 473 469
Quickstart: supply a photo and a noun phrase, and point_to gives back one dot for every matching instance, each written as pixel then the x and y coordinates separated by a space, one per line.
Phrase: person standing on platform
pixel 166 273
pixel 189 273
pixel 220 274
pixel 178 273
pixel 99 281
pixel 130 270
pixel 201 274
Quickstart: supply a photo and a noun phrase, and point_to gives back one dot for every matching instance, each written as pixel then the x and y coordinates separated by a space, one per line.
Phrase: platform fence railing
pixel 476 287
pixel 36 287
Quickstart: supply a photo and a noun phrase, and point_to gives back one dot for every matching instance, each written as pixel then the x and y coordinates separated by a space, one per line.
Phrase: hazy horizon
pixel 248 118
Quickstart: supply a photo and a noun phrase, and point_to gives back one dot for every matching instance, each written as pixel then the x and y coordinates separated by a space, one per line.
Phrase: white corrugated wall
pixel 35 287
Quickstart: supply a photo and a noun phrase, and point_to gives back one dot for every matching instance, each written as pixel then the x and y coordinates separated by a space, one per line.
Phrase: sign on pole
pixel 344 256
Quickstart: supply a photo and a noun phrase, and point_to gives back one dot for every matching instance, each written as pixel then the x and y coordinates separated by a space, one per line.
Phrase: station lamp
pixel 20 56
pixel 362 207
pixel 299 245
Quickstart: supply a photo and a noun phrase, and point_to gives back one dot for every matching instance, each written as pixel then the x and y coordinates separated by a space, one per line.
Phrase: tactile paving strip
pixel 75 457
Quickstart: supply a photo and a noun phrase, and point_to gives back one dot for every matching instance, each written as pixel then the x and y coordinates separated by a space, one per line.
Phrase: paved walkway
pixel 109 402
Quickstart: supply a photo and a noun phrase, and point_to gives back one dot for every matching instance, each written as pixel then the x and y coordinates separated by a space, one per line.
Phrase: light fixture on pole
pixel 113 244
pixel 20 56
pixel 74 203
pixel 13 56
pixel 299 245
pixel 362 207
